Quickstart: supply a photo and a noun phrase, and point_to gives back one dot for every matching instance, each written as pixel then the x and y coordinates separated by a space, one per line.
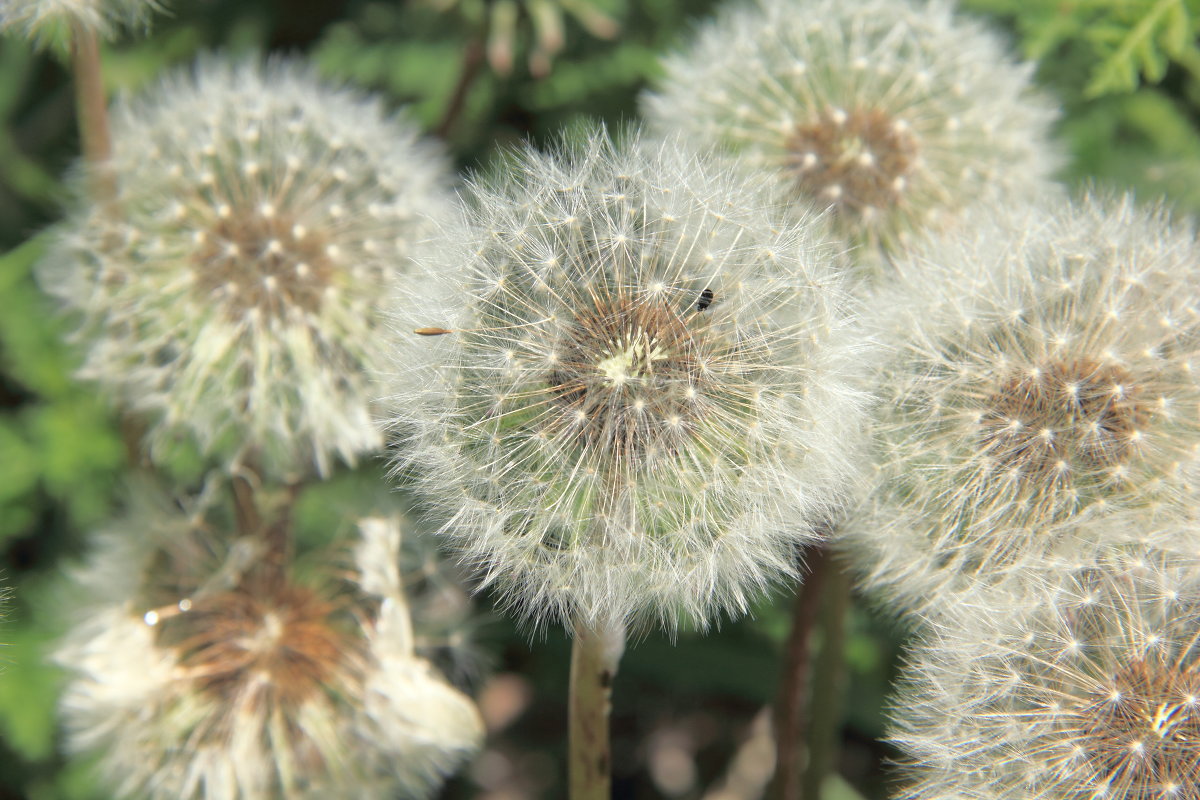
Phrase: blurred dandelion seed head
pixel 233 294
pixel 49 19
pixel 648 402
pixel 895 113
pixel 1088 686
pixel 205 677
pixel 1045 368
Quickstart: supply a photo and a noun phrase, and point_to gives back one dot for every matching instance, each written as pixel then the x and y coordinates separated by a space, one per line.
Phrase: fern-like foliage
pixel 1128 41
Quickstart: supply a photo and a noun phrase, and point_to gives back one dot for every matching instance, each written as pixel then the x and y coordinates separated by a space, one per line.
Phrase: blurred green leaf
pixel 30 332
pixel 81 452
pixel 19 463
pixel 28 693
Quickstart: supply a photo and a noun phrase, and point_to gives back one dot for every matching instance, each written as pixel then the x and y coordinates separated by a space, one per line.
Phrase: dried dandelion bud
pixel 234 293
pixel 206 677
pixel 893 112
pixel 45 19
pixel 1045 367
pixel 1085 687
pixel 642 404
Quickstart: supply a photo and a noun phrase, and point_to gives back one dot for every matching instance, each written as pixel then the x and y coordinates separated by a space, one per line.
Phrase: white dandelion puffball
pixel 1046 366
pixel 894 112
pixel 233 290
pixel 40 18
pixel 1086 688
pixel 202 678
pixel 644 404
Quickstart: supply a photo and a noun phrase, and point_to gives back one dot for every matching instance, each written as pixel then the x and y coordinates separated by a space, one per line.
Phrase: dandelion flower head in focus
pixel 1045 368
pixel 1088 687
pixel 897 113
pixel 207 677
pixel 642 402
pixel 231 292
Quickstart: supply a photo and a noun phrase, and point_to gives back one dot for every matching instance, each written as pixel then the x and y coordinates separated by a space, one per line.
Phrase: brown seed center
pixel 1071 417
pixel 857 161
pixel 1141 732
pixel 258 259
pixel 628 375
pixel 282 643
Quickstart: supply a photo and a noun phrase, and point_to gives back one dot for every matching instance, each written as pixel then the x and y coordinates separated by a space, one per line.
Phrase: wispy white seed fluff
pixel 42 18
pixel 193 675
pixel 1084 688
pixel 896 113
pixel 232 291
pixel 644 405
pixel 1046 366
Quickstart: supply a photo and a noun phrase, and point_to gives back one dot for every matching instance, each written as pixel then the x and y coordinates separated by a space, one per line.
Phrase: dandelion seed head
pixel 649 399
pixel 247 315
pixel 240 685
pixel 1109 718
pixel 1014 408
pixel 42 20
pixel 945 118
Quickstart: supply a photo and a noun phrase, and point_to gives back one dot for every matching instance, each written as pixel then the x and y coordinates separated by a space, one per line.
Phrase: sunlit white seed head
pixel 1013 406
pixel 1082 685
pixel 646 405
pixel 194 674
pixel 49 20
pixel 946 118
pixel 248 315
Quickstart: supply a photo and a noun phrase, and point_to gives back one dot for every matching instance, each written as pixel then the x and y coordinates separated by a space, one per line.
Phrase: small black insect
pixel 706 298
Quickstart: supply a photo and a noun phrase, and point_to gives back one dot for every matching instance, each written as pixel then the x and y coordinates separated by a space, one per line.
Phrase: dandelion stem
pixel 791 707
pixel 92 108
pixel 245 509
pixel 471 63
pixel 594 659
pixel 829 668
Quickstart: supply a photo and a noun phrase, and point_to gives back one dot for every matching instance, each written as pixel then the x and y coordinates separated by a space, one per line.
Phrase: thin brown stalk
pixel 91 104
pixel 472 64
pixel 792 705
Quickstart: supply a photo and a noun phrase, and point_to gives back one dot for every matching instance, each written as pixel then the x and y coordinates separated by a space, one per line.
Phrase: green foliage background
pixel 1127 73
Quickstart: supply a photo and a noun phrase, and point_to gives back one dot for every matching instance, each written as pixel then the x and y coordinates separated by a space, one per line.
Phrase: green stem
pixel 594 659
pixel 829 670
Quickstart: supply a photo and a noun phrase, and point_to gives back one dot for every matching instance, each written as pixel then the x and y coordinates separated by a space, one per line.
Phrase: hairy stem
pixel 92 108
pixel 594 658
pixel 792 703
pixel 829 669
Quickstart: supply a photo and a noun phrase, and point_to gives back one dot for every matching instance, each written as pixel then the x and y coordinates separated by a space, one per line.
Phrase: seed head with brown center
pixel 194 673
pixel 232 291
pixel 645 404
pixel 858 161
pixel 1058 382
pixel 1085 690
pixel 895 113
